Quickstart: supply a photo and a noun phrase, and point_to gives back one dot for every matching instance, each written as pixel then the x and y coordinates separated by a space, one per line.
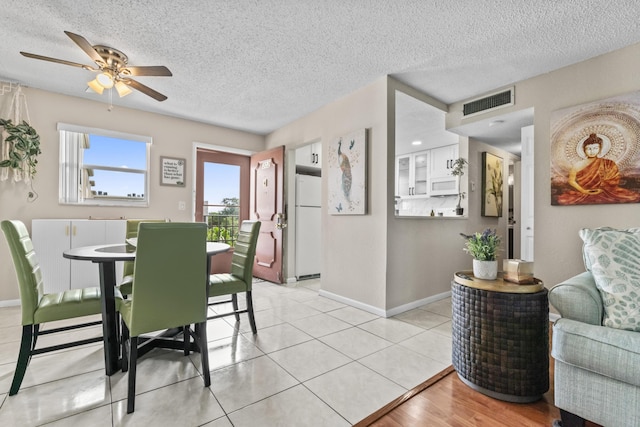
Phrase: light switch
pixel 181 205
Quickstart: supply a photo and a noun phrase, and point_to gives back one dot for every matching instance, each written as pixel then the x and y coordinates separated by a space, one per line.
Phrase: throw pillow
pixel 590 235
pixel 614 257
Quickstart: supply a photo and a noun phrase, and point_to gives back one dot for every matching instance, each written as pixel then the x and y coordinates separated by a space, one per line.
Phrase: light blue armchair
pixel 597 368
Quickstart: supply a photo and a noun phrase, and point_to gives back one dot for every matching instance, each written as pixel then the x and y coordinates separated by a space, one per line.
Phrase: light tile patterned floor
pixel 314 362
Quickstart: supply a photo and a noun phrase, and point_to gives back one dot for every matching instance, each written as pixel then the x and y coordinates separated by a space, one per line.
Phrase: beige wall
pixel 558 247
pixel 423 253
pixel 171 137
pixel 375 260
pixel 354 247
pixel 415 258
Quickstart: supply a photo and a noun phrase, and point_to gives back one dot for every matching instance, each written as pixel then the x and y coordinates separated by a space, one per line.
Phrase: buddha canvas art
pixel 595 152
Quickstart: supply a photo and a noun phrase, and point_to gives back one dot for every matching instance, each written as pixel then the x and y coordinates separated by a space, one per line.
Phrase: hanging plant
pixel 23 149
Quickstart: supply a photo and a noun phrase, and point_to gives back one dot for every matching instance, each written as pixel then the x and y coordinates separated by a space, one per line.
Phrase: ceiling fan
pixel 113 69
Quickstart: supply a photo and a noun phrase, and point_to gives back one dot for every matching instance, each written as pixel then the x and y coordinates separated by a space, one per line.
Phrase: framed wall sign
pixel 172 171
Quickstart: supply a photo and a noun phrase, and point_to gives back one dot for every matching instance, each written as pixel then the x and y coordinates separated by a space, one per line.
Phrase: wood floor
pixel 444 400
pixel 449 402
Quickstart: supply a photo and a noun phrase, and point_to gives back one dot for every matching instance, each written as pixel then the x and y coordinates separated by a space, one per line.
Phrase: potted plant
pixel 24 147
pixel 457 170
pixel 483 247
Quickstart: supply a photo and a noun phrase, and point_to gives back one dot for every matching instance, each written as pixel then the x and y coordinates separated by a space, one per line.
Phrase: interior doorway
pixel 527 188
pixel 512 132
pixel 305 199
pixel 230 188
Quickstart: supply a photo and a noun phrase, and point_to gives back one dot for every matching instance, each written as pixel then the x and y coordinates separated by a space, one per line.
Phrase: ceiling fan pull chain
pixel 110 100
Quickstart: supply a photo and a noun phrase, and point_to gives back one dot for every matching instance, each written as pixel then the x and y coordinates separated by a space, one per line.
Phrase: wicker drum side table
pixel 500 337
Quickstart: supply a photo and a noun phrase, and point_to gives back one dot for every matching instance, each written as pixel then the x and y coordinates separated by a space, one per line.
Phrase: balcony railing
pixel 222 228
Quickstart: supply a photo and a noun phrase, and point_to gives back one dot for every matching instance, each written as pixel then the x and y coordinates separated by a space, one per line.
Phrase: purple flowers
pixel 482 246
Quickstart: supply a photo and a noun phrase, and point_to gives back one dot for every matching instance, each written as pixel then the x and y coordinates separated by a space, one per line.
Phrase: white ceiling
pixel 417 121
pixel 259 65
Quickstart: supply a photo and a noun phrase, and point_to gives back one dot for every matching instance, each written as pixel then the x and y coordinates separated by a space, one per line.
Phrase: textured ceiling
pixel 258 65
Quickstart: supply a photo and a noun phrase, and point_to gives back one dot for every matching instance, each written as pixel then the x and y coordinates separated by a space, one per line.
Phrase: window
pixel 101 167
pixel 222 193
pixel 221 205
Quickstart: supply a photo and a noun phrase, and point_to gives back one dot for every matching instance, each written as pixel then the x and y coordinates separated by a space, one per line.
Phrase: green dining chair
pixel 127 272
pixel 170 291
pixel 241 277
pixel 39 307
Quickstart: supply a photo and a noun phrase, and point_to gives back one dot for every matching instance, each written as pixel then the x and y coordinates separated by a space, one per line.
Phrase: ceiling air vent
pixel 490 102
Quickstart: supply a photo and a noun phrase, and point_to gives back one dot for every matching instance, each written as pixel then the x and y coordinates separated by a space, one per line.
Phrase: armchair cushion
pixel 578 299
pixel 613 256
pixel 612 353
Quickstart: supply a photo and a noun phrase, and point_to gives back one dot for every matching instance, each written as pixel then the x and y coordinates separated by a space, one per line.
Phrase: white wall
pixel 171 137
pixel 557 246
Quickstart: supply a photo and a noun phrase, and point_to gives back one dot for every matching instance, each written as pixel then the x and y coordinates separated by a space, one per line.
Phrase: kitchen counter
pixel 432 217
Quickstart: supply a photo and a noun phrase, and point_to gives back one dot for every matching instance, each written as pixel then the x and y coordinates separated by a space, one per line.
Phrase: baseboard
pixel 353 303
pixel 415 304
pixel 381 312
pixel 10 303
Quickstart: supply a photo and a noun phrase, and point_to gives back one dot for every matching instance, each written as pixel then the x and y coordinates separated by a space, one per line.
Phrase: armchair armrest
pixel 578 299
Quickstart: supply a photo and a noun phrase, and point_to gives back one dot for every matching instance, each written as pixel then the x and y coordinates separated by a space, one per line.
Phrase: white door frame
pixel 527 194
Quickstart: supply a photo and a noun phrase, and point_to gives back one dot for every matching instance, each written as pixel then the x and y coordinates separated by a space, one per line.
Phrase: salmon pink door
pixel 267 206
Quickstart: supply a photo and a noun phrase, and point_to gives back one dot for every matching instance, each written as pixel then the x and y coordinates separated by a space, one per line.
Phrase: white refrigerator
pixel 308 250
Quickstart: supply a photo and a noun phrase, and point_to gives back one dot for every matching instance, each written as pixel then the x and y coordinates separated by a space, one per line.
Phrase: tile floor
pixel 314 362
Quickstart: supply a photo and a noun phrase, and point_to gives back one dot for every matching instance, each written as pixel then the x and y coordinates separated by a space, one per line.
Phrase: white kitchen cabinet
pixel 441 182
pixel 412 174
pixel 51 237
pixel 310 155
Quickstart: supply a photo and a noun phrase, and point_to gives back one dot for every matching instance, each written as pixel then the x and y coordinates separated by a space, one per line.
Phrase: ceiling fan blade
pixel 59 61
pixel 157 70
pixel 86 46
pixel 145 89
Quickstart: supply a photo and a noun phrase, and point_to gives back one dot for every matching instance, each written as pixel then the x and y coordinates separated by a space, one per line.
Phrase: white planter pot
pixel 485 270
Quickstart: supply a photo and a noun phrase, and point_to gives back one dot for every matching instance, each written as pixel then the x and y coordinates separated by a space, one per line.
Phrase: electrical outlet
pixel 181 205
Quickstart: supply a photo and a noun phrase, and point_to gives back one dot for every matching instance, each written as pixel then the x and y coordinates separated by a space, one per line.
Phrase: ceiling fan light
pixel 105 80
pixel 122 88
pixel 96 86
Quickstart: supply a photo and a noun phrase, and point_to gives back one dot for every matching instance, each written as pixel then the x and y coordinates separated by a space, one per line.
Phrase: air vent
pixel 491 102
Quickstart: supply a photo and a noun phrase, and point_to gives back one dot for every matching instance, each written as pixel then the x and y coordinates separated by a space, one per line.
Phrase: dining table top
pixel 124 251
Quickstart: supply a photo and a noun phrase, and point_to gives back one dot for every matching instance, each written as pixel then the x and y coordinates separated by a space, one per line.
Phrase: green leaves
pixel 482 246
pixel 457 168
pixel 24 146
